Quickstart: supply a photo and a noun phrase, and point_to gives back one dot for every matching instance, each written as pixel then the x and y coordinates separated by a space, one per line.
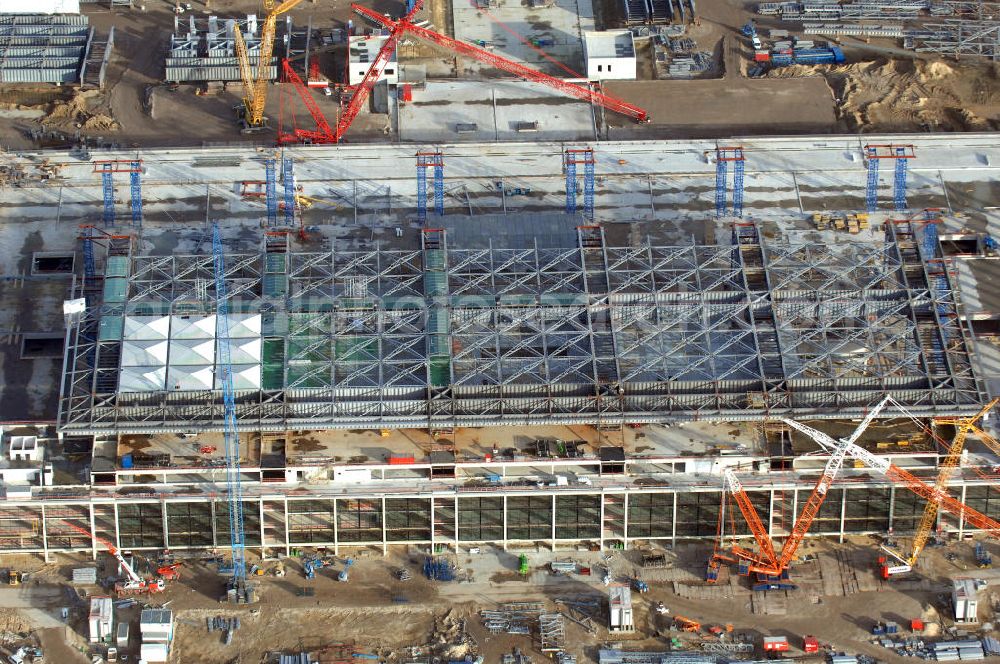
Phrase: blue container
pixel 126 462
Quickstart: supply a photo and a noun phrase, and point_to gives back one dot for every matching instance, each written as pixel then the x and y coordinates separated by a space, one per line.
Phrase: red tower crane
pixel 323 134
pixel 587 94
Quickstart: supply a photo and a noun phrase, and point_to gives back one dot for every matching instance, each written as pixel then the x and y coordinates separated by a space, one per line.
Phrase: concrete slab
pixel 477 111
pixel 541 33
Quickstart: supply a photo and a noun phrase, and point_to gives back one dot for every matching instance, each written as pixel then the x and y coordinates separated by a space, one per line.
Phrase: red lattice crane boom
pixel 323 133
pixel 572 89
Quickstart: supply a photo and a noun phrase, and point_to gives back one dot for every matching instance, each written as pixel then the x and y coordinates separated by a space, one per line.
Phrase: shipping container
pixel 101 618
pixel 775 644
pixel 154 652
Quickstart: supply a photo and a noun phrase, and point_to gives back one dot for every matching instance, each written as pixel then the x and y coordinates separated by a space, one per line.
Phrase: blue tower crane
pixel 237 536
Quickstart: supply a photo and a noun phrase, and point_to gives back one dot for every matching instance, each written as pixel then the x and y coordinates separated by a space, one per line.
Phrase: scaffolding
pixel 958 37
pixel 900 154
pixel 288 181
pixel 271 191
pixel 440 337
pixel 427 160
pixel 723 157
pixel 572 158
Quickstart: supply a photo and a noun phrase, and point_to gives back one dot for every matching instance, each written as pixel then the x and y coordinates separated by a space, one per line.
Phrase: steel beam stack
pixel 36 48
pixel 205 49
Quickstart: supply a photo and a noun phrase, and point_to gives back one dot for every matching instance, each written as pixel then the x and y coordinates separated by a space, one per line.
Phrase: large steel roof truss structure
pixel 590 334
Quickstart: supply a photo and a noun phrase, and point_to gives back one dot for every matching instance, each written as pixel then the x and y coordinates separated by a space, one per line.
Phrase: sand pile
pixel 907 95
pixel 81 110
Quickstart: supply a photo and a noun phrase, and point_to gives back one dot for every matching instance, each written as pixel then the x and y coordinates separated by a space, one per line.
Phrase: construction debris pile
pixel 909 96
pixel 451 641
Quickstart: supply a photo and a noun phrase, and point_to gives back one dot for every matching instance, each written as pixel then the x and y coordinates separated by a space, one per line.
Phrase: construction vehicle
pixel 687 624
pixel 344 574
pixel 983 559
pixel 765 561
pixel 750 30
pixel 13 578
pixel 251 113
pixel 310 565
pixel 170 572
pixel 133 584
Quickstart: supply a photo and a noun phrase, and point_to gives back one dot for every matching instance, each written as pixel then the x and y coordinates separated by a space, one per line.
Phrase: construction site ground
pixel 838 600
pixel 882 88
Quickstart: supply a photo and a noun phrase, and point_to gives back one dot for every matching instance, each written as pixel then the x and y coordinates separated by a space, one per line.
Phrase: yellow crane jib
pixel 964 426
pixel 255 87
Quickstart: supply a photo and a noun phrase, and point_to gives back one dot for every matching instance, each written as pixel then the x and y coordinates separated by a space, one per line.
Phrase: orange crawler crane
pixel 764 562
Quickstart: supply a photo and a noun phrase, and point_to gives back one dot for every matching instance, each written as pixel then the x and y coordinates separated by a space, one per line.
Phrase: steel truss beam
pixel 593 334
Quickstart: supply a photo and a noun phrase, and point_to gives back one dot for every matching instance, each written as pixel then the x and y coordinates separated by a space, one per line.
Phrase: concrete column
pixel 601 495
pixel 504 524
pixel 770 514
pixel 385 546
pixel 504 521
pixel 166 535
pixel 288 548
pixel 552 522
pixel 118 535
pixel 625 521
pixel 45 536
pixel 961 519
pixel 93 529
pixel 433 538
pixel 215 533
pixel 336 530
pixel 892 505
pixel 843 512
pixel 673 522
pixel 263 544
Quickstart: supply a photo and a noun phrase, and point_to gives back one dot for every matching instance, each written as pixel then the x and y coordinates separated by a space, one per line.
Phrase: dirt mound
pixel 82 110
pixel 908 95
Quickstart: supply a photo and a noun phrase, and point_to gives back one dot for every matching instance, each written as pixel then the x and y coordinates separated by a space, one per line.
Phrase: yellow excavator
pixel 251 114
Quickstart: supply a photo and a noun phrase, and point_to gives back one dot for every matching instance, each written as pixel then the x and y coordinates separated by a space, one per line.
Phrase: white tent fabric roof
pixel 245 351
pixel 146 327
pixel 245 377
pixel 244 325
pixel 192 327
pixel 190 377
pixel 142 379
pixel 192 351
pixel 144 353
